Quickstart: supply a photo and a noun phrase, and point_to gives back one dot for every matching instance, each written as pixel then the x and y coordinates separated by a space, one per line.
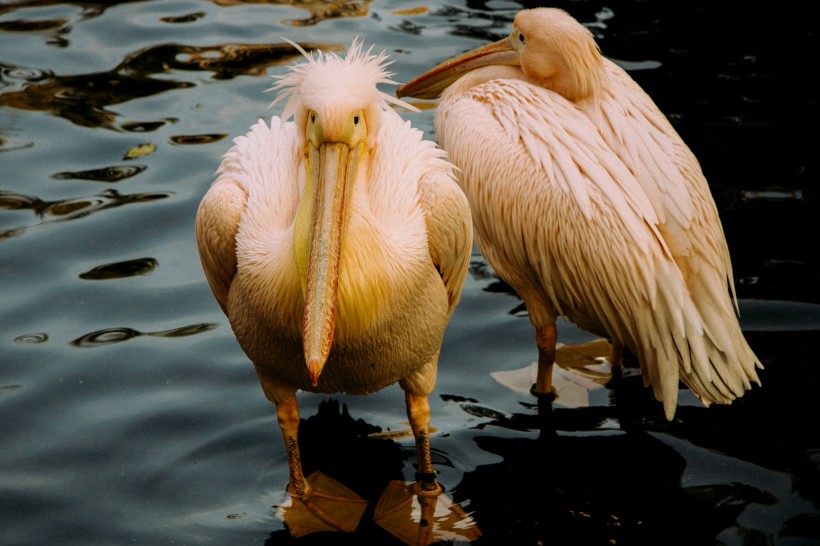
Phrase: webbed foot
pixel 326 505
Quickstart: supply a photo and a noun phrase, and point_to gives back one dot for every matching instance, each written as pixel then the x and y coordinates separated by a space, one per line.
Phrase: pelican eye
pixel 355 129
pixel 313 130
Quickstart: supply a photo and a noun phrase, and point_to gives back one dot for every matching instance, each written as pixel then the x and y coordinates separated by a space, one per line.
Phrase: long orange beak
pixel 331 170
pixel 432 83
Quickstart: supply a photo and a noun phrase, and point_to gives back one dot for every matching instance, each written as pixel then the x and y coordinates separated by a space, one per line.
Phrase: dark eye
pixel 355 120
pixel 521 37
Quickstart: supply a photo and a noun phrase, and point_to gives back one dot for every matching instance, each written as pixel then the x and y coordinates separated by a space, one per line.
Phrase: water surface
pixel 128 413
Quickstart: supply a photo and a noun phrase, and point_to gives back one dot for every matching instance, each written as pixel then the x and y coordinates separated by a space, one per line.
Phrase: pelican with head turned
pixel 588 203
pixel 337 243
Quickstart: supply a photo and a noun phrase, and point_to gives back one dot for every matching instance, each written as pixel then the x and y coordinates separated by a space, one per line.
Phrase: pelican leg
pixel 418 411
pixel 327 505
pixel 545 339
pixel 616 353
pixel 287 413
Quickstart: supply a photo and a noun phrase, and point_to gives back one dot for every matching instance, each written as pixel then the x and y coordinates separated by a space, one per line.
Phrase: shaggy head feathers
pixel 334 86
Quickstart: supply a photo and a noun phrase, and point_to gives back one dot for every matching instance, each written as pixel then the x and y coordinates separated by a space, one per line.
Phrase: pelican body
pixel 588 203
pixel 337 244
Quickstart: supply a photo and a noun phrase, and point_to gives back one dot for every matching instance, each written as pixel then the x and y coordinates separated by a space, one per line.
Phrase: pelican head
pixel 547 46
pixel 337 108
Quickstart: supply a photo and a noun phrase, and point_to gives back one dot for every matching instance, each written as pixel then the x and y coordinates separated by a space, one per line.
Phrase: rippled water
pixel 128 413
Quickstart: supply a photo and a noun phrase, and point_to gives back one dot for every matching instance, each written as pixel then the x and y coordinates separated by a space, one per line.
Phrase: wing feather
pixel 259 168
pixel 561 218
pixel 449 230
pixel 217 222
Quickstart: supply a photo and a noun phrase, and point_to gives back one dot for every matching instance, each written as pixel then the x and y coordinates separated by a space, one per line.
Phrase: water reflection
pixel 118 270
pixel 6 389
pixel 56 27
pixel 187 18
pixel 89 9
pixel 319 10
pixel 198 139
pixel 20 25
pixel 742 100
pixel 144 126
pixel 69 209
pixel 39 337
pixel 108 336
pixel 227 61
pixel 618 488
pixel 84 99
pixel 114 173
pixel 140 150
pixel 369 464
pixel 622 474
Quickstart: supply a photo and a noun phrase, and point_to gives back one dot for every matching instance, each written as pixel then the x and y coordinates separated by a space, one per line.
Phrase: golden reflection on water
pixel 319 10
pixel 84 99
pixel 359 490
pixel 415 520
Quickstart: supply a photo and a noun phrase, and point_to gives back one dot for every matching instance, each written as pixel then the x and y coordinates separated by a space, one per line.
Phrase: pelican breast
pixel 393 305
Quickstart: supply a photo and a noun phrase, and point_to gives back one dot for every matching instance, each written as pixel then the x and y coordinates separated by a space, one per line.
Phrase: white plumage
pixel 589 204
pixel 337 244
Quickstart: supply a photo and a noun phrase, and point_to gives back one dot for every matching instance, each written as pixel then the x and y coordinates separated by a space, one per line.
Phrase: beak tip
pixel 315 366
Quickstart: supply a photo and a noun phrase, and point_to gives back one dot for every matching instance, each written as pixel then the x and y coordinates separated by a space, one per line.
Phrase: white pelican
pixel 337 244
pixel 588 203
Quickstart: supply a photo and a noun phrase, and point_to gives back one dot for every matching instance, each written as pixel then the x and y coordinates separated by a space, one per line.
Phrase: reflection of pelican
pixel 399 511
pixel 585 498
pixel 589 204
pixel 337 244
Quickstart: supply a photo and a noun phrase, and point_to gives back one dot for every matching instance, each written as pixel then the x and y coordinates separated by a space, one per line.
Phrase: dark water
pixel 129 415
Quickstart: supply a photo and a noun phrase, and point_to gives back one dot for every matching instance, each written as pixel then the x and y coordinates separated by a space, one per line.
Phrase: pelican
pixel 588 203
pixel 337 241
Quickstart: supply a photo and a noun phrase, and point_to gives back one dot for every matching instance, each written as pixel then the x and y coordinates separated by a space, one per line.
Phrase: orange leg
pixel 545 339
pixel 329 506
pixel 418 411
pixel 288 414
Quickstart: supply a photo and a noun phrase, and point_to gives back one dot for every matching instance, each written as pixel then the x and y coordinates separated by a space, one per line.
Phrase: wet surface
pixel 128 413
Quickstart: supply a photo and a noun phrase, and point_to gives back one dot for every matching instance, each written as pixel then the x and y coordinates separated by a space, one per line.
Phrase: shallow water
pixel 128 413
